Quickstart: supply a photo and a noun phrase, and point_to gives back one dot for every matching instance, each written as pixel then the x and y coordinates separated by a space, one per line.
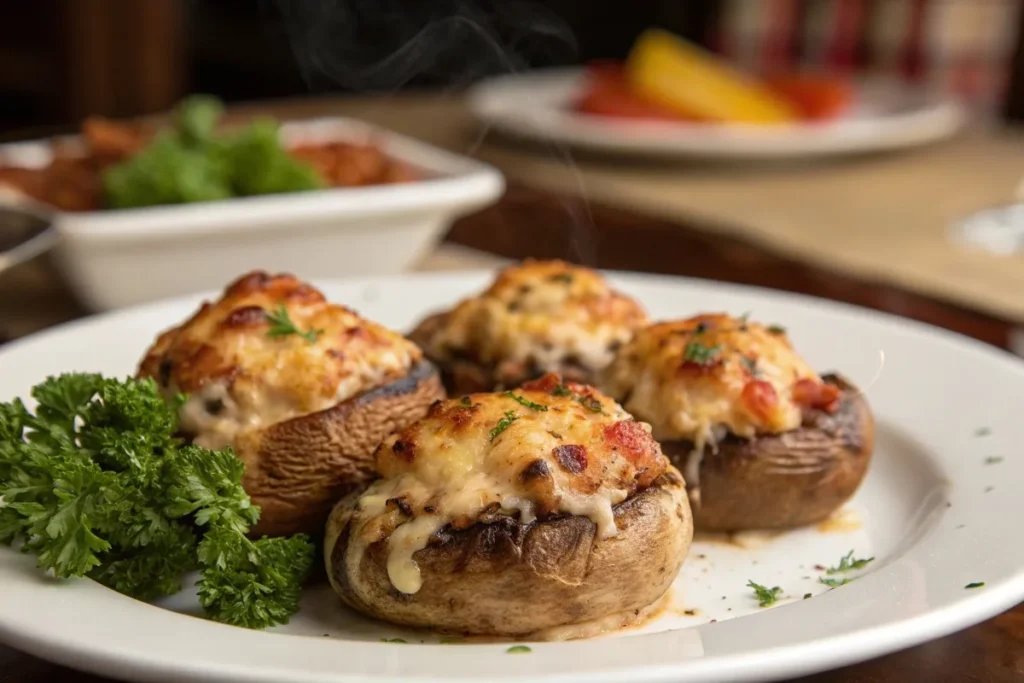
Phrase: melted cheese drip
pixel 457 472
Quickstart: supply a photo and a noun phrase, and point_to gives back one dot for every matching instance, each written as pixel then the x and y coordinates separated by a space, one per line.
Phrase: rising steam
pixel 373 45
pixel 383 45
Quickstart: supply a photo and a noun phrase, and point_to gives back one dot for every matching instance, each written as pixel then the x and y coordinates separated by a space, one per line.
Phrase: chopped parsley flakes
pixel 701 354
pixel 504 423
pixel 526 402
pixel 847 563
pixel 518 649
pixel 833 583
pixel 588 402
pixel 975 584
pixel 765 596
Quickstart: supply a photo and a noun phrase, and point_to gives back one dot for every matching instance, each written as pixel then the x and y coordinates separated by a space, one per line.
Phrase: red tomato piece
pixel 639 447
pixel 816 97
pixel 813 395
pixel 760 399
pixel 609 94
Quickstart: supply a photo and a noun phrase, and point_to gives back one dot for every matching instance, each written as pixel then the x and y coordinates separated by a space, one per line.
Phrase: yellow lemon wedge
pixel 692 81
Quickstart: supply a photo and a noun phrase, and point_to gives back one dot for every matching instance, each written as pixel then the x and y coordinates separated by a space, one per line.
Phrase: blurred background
pixel 61 60
pixel 878 204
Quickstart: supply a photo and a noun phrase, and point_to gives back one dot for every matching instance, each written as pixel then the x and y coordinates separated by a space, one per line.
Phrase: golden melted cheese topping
pixel 546 448
pixel 693 379
pixel 543 314
pixel 270 349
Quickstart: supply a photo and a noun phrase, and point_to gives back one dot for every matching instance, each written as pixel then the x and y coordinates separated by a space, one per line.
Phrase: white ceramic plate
pixel 934 515
pixel 886 116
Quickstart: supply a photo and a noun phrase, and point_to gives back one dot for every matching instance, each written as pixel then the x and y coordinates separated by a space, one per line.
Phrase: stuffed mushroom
pixel 302 389
pixel 764 441
pixel 536 317
pixel 511 513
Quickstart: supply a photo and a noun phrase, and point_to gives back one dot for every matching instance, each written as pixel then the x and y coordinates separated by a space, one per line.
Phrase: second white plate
pixel 886 116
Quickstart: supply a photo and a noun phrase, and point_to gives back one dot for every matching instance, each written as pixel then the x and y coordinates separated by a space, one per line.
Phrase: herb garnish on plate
pixel 95 483
pixel 847 563
pixel 765 596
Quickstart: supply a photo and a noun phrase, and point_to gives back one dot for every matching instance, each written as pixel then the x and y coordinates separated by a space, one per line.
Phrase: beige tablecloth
pixel 881 217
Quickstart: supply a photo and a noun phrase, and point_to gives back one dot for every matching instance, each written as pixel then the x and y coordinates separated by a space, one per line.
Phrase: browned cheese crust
pixel 536 317
pixel 304 410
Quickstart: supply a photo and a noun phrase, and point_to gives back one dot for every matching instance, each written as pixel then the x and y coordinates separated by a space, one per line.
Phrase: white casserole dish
pixel 117 258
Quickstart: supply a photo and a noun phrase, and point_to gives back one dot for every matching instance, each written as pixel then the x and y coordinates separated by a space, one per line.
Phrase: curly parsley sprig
pixel 95 483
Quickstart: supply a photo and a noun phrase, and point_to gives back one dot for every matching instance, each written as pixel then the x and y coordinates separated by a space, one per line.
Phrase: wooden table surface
pixel 533 223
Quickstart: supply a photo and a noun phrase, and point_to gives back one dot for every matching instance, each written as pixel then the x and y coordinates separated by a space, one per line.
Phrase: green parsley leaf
pixel 701 354
pixel 562 277
pixel 807 596
pixel 281 325
pixel 526 402
pixel 833 583
pixel 518 649
pixel 847 563
pixel 393 640
pixel 588 402
pixel 777 329
pixel 197 117
pixel 765 596
pixel 467 401
pixel 154 570
pixel 208 485
pixel 96 483
pixel 504 423
pixel 191 162
pixel 252 584
pixel 993 460
pixel 975 584
pixel 750 364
